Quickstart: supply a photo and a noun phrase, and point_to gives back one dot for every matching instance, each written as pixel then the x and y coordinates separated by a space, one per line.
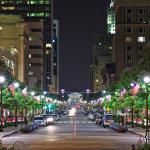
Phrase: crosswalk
pixel 77 122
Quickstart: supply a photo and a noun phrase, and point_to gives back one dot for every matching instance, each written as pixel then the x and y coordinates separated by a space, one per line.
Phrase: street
pixel 74 133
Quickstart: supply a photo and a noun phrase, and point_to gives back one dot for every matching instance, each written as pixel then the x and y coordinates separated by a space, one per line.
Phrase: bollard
pixel 133 147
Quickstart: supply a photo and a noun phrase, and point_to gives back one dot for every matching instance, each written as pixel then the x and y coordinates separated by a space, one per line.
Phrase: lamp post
pixel 16 85
pixel 147 81
pixel 2 79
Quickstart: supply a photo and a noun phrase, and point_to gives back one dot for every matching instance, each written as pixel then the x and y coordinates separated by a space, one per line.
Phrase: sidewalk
pixel 137 130
pixel 9 131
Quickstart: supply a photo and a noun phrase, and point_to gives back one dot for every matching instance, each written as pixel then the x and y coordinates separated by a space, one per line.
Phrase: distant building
pixel 56 55
pixel 111 20
pixel 132 32
pixel 101 57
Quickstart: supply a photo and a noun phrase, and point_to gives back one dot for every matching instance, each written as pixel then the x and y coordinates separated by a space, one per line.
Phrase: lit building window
pixel 30 56
pixel 128 39
pixel 141 39
pixel 97 80
pixel 48 45
pixel 31 73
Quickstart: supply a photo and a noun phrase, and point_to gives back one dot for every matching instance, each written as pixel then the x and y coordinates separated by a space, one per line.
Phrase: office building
pixel 56 55
pixel 132 32
pixel 111 20
pixel 35 11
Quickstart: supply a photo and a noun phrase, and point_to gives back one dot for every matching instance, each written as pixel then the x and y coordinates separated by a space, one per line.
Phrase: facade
pixel 12 44
pixel 34 54
pixel 132 32
pixel 21 46
pixel 111 20
pixel 35 11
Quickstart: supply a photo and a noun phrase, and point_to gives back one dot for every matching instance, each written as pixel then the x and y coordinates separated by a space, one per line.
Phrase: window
pixel 141 11
pixel 128 39
pixel 35 47
pixel 141 30
pixel 31 73
pixel 128 29
pixel 141 48
pixel 141 39
pixel 128 49
pixel 36 29
pixel 128 20
pixel 141 20
pixel 36 55
pixel 128 11
pixel 35 64
pixel 129 58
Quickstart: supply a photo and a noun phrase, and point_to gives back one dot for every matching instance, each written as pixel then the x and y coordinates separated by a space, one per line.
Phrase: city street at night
pixel 74 133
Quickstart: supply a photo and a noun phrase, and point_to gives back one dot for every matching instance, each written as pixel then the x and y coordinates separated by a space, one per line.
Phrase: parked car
pixel 107 120
pixel 49 119
pixel 41 121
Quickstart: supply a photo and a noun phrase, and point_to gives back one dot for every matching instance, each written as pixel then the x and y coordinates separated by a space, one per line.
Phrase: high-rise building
pixel 111 20
pixel 132 32
pixel 36 10
pixel 56 55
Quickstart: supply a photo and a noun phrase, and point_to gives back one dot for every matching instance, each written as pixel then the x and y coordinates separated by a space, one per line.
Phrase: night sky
pixel 80 21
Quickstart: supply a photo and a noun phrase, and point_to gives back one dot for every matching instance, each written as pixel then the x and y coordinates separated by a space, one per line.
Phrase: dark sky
pixel 80 21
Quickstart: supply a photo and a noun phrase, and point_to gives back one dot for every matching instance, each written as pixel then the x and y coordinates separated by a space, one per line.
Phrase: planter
pixel 119 128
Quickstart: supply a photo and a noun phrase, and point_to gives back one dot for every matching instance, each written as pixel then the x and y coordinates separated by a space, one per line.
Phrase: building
pixel 21 46
pixel 56 55
pixel 132 32
pixel 12 44
pixel 111 20
pixel 101 57
pixel 35 11
pixel 34 54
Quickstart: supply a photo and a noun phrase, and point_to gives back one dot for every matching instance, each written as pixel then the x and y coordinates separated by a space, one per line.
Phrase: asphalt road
pixel 73 133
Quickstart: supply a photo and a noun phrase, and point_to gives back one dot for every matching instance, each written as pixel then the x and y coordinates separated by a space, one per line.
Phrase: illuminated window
pixel 48 45
pixel 29 55
pixel 141 39
pixel 128 39
pixel 31 73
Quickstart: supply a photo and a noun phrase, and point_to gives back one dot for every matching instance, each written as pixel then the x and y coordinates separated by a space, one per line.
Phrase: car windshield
pixel 109 117
pixel 38 118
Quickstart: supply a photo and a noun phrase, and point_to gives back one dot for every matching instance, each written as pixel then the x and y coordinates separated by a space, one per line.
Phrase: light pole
pixel 2 79
pixel 16 85
pixel 147 81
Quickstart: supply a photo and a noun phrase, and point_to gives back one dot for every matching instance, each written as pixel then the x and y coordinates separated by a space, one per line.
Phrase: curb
pixel 9 133
pixel 135 133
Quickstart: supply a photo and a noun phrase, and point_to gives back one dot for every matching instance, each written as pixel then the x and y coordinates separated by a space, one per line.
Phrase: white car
pixel 107 120
pixel 41 121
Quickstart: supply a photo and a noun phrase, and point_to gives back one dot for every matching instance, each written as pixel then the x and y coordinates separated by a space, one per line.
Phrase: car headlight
pixel 50 119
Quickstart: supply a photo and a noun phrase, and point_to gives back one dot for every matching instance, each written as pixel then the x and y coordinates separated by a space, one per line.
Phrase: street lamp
pixel 2 79
pixel 147 80
pixel 16 85
pixel 32 93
